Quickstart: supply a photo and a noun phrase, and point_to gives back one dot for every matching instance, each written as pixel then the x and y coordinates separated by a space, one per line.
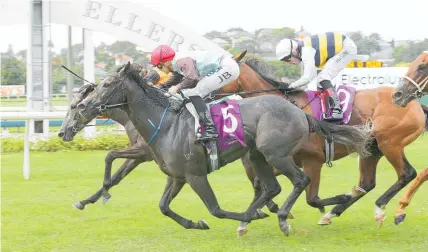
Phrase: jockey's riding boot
pixel 332 102
pixel 334 105
pixel 210 129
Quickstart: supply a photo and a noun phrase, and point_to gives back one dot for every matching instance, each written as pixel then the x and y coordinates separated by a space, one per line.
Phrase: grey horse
pixel 138 152
pixel 274 130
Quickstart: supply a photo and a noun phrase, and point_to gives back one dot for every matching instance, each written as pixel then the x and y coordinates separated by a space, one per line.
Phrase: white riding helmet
pixel 284 48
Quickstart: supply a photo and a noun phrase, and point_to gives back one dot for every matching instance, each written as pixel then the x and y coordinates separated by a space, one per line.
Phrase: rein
pixel 104 107
pixel 93 84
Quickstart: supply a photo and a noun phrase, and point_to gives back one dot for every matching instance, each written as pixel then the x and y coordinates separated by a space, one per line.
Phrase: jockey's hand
pixel 173 90
pixel 298 86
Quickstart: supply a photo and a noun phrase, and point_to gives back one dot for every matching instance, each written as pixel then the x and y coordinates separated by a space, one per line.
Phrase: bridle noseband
pixel 419 86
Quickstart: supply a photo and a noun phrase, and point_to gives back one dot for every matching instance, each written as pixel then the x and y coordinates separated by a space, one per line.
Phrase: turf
pixel 37 214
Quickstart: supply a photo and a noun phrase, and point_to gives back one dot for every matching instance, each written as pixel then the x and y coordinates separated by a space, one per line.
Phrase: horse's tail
pixel 355 138
pixel 425 109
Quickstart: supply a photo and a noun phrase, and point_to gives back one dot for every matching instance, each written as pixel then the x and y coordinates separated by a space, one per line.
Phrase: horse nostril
pixel 61 134
pixel 81 106
pixel 397 94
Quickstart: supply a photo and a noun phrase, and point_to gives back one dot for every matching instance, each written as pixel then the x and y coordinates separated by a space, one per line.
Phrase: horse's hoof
pixel 106 198
pixel 285 228
pixel 380 219
pixel 274 208
pixel 290 216
pixel 203 225
pixel 400 219
pixel 357 191
pixel 78 205
pixel 262 214
pixel 324 221
pixel 242 232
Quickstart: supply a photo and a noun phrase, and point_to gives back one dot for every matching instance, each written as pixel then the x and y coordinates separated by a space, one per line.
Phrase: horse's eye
pixel 422 67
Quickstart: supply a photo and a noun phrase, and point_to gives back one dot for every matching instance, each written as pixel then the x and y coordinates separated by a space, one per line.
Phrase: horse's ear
pixel 128 65
pixel 238 57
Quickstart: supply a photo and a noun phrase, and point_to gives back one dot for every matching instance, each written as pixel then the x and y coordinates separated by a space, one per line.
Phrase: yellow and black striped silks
pixel 326 45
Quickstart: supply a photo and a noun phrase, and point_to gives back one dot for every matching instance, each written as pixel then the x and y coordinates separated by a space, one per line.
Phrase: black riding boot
pixel 210 129
pixel 332 102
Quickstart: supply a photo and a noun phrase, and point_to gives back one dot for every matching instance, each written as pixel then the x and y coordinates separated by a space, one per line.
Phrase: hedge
pixel 100 142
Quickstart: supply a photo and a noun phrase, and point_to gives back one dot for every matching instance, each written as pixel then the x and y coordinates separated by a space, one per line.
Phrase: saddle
pixel 225 115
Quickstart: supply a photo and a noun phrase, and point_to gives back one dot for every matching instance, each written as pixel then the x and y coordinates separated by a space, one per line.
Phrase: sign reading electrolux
pixel 131 22
pixel 362 78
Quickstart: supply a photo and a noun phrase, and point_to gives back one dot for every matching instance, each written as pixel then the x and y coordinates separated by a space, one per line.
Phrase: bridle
pixel 419 86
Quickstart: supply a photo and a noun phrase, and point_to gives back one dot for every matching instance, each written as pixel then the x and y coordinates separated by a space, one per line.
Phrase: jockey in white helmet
pixel 197 74
pixel 331 51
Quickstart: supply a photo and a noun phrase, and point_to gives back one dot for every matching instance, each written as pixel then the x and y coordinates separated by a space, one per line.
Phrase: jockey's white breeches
pixel 225 74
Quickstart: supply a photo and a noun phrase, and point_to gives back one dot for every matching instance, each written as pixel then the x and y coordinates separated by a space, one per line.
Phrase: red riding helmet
pixel 161 54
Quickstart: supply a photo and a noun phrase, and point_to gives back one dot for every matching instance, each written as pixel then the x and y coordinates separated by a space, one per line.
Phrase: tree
pixel 366 45
pixel 281 69
pixel 408 53
pixel 248 44
pixel 213 34
pixel 12 70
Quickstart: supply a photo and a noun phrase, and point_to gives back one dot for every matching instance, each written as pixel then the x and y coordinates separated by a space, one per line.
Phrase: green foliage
pixel 37 214
pixel 53 144
pixel 282 69
pixel 366 44
pixel 410 51
pixel 12 69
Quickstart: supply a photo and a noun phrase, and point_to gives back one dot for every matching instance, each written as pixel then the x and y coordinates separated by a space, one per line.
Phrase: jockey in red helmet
pixel 196 74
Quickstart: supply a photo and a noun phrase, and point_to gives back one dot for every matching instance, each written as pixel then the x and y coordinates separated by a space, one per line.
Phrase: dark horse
pixel 393 129
pixel 274 131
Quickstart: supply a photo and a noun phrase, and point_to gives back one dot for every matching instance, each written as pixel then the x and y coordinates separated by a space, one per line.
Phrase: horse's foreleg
pixel 408 195
pixel 405 173
pixel 133 152
pixel 172 188
pixel 128 166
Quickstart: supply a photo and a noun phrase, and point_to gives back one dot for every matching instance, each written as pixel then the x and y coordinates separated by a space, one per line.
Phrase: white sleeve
pixel 309 69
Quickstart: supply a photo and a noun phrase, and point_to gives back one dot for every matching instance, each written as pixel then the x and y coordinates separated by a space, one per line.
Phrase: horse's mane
pixel 156 94
pixel 262 69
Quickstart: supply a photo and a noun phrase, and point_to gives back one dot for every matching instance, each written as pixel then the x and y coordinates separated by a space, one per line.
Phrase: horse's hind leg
pixel 255 182
pixel 312 167
pixel 408 195
pixel 201 186
pixel 299 180
pixel 367 183
pixel 248 165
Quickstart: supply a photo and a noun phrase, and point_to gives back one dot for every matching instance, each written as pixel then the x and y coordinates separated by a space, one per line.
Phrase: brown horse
pixel 414 85
pixel 393 129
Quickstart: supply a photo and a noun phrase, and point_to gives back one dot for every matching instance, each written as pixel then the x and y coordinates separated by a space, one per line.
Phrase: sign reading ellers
pixel 132 22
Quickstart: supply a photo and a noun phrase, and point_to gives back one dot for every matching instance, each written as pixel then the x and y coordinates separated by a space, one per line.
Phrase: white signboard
pixel 362 78
pixel 12 90
pixel 125 20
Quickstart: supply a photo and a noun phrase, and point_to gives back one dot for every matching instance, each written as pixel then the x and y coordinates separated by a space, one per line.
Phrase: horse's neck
pixel 119 116
pixel 147 115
